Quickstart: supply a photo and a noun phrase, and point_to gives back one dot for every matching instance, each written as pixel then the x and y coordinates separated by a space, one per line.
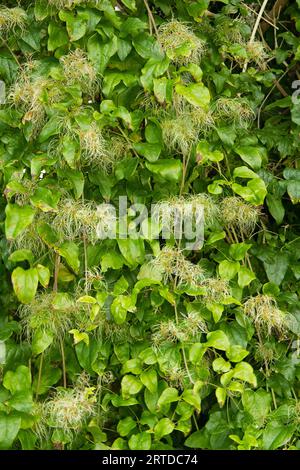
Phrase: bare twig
pixel 255 28
pixel 151 18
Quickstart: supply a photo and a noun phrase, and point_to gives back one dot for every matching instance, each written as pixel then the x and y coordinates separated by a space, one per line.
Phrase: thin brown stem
pixel 39 375
pixel 56 270
pixel 62 349
pixel 151 18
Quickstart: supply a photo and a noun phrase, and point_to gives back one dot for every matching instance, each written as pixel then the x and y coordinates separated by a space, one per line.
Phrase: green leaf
pixel 125 426
pixel 154 68
pixel 206 153
pixel 150 151
pixel 17 219
pixel 18 381
pixel 133 250
pixel 21 255
pixel 164 427
pixel 57 36
pixel 43 275
pixel 255 191
pixel 253 156
pixel 257 404
pixel 130 385
pixel 149 379
pixel 228 269
pixel 244 371
pixel 238 250
pixel 100 52
pixel 196 94
pixel 277 435
pixel 275 207
pixel 76 25
pixel 141 441
pixel 70 251
pixel 245 276
pixel 169 395
pixel 197 440
pixel 25 283
pixel 220 365
pixel 236 353
pixel 41 341
pixel 9 428
pixel 111 260
pixel 170 170
pixel 44 200
pixel 221 396
pixel 217 339
pixel 193 398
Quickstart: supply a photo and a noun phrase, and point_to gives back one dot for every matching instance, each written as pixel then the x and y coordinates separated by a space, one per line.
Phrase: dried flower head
pixel 229 30
pixel 174 266
pixel 265 353
pixel 256 53
pixel 75 219
pixel 198 208
pixel 69 409
pixel 239 215
pixel 180 43
pixel 216 290
pixel 266 315
pixel 168 332
pixel 179 133
pixel 176 376
pixel 79 70
pixel 12 19
pixel 54 313
pixel 234 111
pixel 95 149
pixel 30 94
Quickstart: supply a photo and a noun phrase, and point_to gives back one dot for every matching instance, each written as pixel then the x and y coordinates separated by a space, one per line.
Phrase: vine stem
pixel 183 350
pixel 151 18
pixel 63 362
pixel 39 375
pixel 255 28
pixel 56 269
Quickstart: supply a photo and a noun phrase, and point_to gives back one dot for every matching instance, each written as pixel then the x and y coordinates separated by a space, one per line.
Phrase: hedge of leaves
pixel 139 343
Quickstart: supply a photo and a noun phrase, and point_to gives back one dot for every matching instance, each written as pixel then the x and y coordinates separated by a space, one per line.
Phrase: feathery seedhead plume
pixel 235 111
pixel 240 215
pixel 12 19
pixel 266 315
pixel 174 266
pixel 69 409
pixel 180 43
pixel 79 70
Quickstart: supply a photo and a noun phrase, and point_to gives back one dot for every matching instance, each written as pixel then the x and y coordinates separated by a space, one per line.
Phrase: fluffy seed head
pixel 267 317
pixel 78 70
pixel 235 111
pixel 12 19
pixel 257 53
pixel 76 218
pixel 173 265
pixel 69 409
pixel 180 43
pixel 29 92
pixel 216 290
pixel 176 376
pixel 237 213
pixel 179 133
pixel 52 313
pixel 95 150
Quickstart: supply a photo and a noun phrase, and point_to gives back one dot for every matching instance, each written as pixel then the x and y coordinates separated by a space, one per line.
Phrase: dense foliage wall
pixel 140 342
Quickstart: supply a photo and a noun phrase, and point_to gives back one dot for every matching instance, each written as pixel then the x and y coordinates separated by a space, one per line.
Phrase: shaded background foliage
pixel 128 343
